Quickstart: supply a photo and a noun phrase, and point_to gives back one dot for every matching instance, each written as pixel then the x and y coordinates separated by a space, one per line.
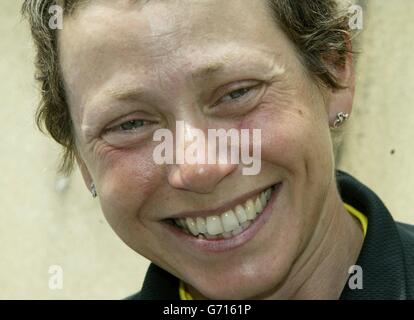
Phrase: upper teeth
pixel 229 223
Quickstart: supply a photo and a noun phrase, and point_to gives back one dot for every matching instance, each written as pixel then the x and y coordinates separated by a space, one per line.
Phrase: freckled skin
pixel 116 44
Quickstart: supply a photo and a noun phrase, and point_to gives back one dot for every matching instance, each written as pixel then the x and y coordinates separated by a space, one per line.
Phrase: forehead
pixel 138 40
pixel 159 28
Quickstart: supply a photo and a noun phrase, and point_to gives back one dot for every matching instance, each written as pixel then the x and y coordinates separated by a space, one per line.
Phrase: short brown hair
pixel 318 29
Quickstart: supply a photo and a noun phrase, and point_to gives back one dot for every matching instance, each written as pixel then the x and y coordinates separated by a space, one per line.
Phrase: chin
pixel 240 281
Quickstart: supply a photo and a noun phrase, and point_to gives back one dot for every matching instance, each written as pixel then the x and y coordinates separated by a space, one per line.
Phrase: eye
pixel 237 94
pixel 128 133
pixel 130 126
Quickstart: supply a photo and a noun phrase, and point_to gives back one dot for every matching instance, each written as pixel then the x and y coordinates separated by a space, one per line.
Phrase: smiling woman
pixel 119 71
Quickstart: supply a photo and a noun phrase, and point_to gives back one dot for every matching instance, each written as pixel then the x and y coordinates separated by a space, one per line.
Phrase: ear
pixel 341 100
pixel 87 178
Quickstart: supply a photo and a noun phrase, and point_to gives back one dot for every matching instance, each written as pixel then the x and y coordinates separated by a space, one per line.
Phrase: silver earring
pixel 93 190
pixel 340 120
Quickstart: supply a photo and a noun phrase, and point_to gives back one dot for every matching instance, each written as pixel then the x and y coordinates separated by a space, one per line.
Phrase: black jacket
pixel 386 258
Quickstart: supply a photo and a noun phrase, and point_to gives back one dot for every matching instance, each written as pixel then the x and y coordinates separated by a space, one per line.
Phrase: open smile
pixel 231 228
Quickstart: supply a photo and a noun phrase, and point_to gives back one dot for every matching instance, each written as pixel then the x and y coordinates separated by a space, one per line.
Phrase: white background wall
pixel 47 220
pixel 379 144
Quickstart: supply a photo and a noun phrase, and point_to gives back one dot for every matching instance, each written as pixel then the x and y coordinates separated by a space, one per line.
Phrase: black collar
pixel 381 257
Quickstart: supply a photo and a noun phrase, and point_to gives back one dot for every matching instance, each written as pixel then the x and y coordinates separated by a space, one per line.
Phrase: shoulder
pixel 406 233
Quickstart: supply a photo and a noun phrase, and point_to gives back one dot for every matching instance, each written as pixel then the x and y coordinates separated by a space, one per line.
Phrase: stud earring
pixel 93 190
pixel 340 120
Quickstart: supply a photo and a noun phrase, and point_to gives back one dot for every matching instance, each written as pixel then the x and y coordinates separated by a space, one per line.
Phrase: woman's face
pixel 130 69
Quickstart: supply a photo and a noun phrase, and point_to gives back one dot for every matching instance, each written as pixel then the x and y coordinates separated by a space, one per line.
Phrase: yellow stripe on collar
pixel 184 294
pixel 360 216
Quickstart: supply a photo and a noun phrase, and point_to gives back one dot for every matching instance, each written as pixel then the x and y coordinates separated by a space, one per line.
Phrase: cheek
pixel 295 140
pixel 126 179
pixel 289 134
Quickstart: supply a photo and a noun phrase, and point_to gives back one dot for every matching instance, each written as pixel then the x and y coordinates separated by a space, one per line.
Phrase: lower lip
pixel 226 244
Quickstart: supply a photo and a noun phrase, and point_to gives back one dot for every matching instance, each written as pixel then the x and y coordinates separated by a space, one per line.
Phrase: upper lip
pixel 222 208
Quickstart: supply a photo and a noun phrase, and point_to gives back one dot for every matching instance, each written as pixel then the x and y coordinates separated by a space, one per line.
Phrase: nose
pixel 200 178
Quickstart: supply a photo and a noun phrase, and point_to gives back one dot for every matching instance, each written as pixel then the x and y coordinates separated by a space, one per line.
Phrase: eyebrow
pixel 124 94
pixel 208 70
pixel 218 66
